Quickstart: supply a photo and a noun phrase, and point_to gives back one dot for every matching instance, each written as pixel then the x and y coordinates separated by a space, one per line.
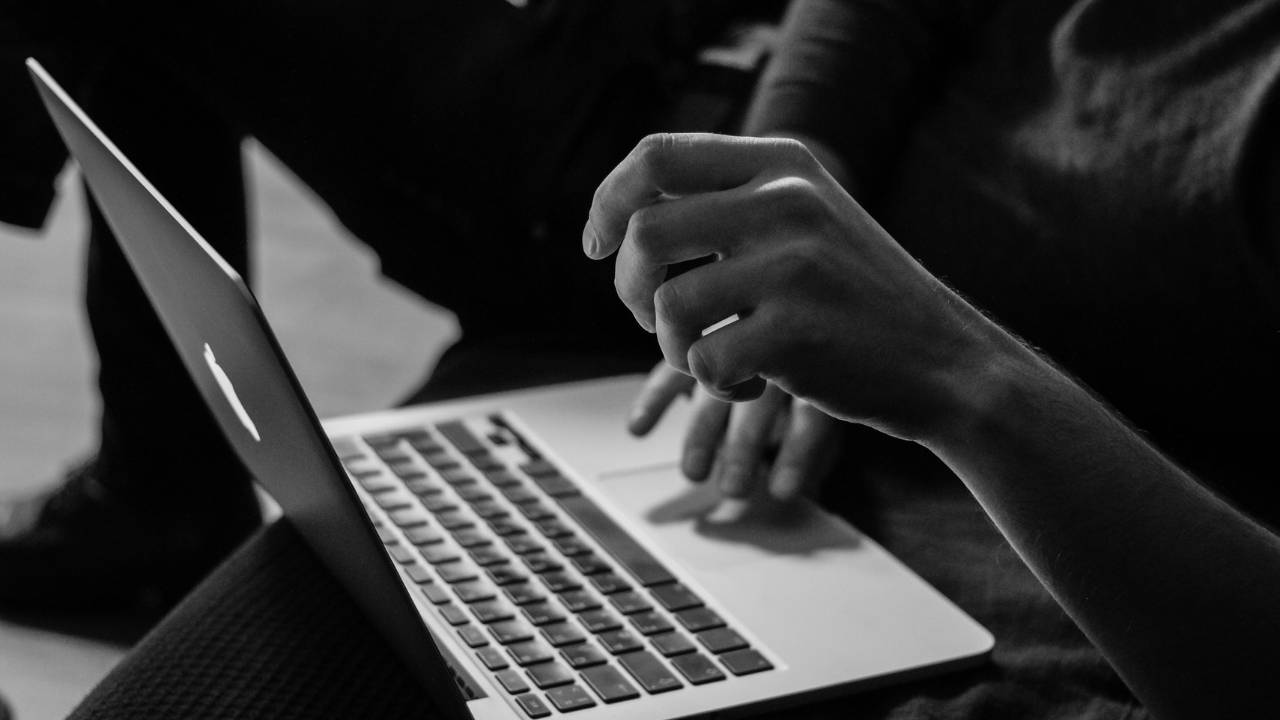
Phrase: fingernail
pixel 786 484
pixel 695 465
pixel 733 481
pixel 637 421
pixel 589 242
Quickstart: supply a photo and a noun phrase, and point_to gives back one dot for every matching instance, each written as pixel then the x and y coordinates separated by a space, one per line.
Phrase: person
pixel 345 97
pixel 832 311
pixel 1097 174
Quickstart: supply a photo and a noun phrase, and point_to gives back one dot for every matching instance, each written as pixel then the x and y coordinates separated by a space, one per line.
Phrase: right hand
pixel 730 444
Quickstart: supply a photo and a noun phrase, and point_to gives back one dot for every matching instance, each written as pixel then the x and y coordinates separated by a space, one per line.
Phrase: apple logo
pixel 229 391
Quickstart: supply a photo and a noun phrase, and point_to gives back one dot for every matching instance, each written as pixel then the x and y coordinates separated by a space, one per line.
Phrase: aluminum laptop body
pixel 490 495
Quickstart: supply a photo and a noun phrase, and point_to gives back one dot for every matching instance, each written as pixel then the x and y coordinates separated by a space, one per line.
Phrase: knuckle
pixel 644 229
pixel 798 154
pixel 653 151
pixel 703 366
pixel 670 302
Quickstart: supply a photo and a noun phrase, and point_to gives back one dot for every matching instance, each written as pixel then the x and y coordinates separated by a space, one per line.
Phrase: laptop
pixel 521 552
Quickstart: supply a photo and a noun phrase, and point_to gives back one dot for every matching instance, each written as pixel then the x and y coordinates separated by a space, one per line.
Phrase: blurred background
pixel 319 289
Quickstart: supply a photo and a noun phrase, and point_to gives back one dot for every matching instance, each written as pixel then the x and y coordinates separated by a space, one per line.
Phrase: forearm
pixel 1178 589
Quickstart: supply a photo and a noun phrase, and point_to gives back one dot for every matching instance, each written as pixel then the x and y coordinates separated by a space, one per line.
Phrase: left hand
pixel 776 441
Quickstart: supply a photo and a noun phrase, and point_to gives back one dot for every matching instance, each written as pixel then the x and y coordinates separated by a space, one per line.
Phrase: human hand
pixel 730 444
pixel 829 307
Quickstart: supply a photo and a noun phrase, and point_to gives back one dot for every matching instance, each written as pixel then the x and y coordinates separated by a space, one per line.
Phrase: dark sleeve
pixel 853 73
pixel 31 153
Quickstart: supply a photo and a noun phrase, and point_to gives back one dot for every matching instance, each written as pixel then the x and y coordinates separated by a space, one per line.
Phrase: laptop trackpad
pixel 693 523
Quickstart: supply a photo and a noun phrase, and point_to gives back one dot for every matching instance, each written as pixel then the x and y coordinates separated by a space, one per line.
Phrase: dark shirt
pixel 1092 172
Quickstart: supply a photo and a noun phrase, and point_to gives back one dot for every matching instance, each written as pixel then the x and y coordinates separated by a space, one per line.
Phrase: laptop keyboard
pixel 556 600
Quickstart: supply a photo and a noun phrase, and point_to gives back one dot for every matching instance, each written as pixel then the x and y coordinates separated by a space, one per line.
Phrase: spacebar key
pixel 616 541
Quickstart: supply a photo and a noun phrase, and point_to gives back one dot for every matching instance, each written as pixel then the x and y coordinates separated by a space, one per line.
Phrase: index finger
pixel 677 164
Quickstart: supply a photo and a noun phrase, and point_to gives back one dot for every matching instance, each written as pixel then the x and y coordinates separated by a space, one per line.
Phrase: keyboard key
pixel 583 655
pixel 598 621
pixel 721 640
pixel 630 602
pixel 533 706
pixel 523 544
pixel 454 520
pixel 649 622
pixel 563 633
pixel 461 438
pixel 674 596
pixel 530 652
pixel 423 487
pixel 407 517
pixel 491 611
pixel 402 554
pixel 503 479
pixel 590 564
pixel 492 658
pixel 649 671
pixel 457 476
pixel 436 593
pixel 377 483
pixel 486 462
pixel 619 641
pixel 557 486
pixel 473 592
pixel 560 581
pixel 745 661
pixel 426 446
pixel 505 527
pixel 473 636
pixel 568 698
pixel 387 535
pixel 699 619
pixel 697 668
pixel 456 572
pixel 470 537
pixel 624 548
pixel 489 510
pixel 407 471
pixel 524 593
pixel 485 556
pixel 542 613
pixel 511 681
pixel 541 563
pixel 570 546
pixel 550 674
pixel 441 461
pixel 579 600
pixel 609 684
pixel 472 494
pixel 438 554
pixel 505 574
pixel 453 614
pixel 419 574
pixel 535 511
pixel 511 631
pixel 423 536
pixel 392 501
pixel 671 644
pixel 438 503
pixel 517 494
pixel 609 582
pixel 552 527
pixel 539 468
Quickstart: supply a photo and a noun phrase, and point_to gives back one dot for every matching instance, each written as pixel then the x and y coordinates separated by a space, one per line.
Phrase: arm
pixel 1177 588
pixel 849 76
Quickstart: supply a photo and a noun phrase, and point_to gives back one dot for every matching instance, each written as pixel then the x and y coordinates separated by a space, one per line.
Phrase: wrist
pixel 988 385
